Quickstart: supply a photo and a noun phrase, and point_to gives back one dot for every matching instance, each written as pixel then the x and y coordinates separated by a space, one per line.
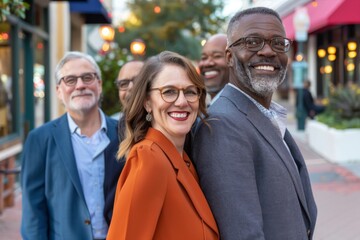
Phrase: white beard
pixel 82 105
pixel 263 86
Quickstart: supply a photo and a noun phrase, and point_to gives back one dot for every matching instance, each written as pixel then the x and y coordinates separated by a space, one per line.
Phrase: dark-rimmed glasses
pixel 254 44
pixel 123 84
pixel 170 93
pixel 86 78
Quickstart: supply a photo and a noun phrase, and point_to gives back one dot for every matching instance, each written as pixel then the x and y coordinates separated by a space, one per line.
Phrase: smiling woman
pixel 158 195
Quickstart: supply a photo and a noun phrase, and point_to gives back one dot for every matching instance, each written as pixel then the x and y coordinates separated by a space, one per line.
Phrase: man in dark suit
pixel 69 168
pixel 249 166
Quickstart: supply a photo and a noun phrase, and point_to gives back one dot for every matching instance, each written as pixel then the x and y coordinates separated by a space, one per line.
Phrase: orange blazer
pixel 158 196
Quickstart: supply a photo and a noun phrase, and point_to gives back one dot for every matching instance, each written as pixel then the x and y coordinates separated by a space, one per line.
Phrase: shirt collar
pixel 74 128
pixel 276 111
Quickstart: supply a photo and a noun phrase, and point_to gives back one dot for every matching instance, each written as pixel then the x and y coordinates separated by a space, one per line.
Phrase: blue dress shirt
pixel 89 155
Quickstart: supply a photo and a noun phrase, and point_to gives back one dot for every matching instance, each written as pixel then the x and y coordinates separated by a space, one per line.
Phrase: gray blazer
pixel 53 201
pixel 246 172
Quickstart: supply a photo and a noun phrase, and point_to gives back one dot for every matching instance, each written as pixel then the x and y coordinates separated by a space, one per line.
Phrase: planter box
pixel 335 145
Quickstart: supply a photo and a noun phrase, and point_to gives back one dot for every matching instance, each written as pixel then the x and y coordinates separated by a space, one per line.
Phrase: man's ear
pixel 229 58
pixel 58 92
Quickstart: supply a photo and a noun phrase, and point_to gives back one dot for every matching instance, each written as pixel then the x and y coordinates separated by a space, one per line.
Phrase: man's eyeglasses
pixel 170 93
pixel 254 44
pixel 123 84
pixel 86 78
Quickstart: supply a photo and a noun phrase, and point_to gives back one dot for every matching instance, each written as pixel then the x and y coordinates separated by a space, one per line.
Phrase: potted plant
pixel 335 134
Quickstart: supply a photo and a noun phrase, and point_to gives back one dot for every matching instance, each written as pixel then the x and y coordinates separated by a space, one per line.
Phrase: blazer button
pixel 87 222
pixel 308 232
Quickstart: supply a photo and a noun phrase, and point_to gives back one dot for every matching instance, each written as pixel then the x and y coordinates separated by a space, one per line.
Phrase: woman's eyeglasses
pixel 170 93
pixel 254 44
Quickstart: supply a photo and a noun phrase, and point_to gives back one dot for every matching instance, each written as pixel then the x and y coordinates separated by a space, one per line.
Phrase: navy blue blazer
pixel 53 202
pixel 253 186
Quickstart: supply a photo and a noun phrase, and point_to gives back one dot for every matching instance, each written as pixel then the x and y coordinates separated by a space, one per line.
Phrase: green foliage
pixel 14 7
pixel 179 26
pixel 343 110
pixel 110 64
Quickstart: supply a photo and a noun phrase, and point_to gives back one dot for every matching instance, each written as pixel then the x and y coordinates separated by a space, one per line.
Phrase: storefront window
pixel 350 61
pixel 5 81
pixel 39 83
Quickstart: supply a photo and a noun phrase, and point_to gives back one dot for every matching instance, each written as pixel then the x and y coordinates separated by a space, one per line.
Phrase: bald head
pixel 213 65
pixel 130 70
pixel 127 72
pixel 220 37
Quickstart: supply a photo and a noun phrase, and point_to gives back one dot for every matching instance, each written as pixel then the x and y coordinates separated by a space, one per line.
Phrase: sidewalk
pixel 336 189
pixel 10 221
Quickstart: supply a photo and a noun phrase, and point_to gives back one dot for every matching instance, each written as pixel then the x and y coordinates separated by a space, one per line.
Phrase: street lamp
pixel 301 23
pixel 107 33
pixel 137 47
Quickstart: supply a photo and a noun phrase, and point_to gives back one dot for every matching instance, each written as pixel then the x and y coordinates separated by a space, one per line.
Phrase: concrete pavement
pixel 336 189
pixel 10 221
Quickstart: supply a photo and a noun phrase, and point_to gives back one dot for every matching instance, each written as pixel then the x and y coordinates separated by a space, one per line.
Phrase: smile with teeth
pixel 178 115
pixel 210 73
pixel 266 68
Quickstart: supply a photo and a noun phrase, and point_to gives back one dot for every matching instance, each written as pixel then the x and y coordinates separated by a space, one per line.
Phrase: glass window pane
pixel 5 81
pixel 39 82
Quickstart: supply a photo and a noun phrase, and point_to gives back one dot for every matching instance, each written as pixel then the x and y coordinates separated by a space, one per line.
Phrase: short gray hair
pixel 75 55
pixel 255 10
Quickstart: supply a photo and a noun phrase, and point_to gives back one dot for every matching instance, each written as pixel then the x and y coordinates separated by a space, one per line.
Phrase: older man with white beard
pixel 69 170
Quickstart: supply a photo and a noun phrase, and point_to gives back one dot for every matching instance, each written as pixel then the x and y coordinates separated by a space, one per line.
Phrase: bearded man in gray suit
pixel 249 166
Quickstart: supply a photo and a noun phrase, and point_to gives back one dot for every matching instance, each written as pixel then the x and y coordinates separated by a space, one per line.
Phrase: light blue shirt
pixel 90 162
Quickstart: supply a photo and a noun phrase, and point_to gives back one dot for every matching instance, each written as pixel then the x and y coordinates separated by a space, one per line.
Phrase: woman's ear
pixel 147 105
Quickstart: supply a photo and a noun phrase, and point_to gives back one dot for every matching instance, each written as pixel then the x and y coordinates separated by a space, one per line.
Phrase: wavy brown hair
pixel 136 124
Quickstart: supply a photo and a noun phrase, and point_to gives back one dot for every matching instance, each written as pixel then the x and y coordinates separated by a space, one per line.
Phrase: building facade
pixel 332 49
pixel 29 51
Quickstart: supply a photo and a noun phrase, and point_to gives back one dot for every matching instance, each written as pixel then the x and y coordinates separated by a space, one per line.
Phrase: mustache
pixel 77 93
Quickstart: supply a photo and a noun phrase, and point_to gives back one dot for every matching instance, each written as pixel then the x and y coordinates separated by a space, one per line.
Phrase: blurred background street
pixel 336 188
pixel 35 34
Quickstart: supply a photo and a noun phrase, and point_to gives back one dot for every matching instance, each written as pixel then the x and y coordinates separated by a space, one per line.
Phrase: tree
pixel 15 7
pixel 175 25
pixel 110 64
pixel 179 26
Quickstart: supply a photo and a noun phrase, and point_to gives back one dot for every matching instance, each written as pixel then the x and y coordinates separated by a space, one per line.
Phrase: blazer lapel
pixel 304 175
pixel 111 149
pixel 112 166
pixel 62 139
pixel 196 195
pixel 267 130
pixel 185 177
